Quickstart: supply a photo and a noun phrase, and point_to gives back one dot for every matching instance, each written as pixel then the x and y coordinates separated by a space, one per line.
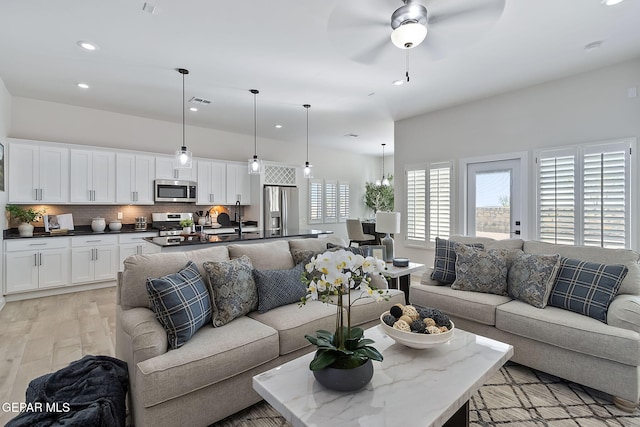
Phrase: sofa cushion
pixel 629 258
pixel 181 303
pixel 233 290
pixel 474 306
pixel 318 245
pixel 569 330
pixel 624 312
pixel 586 287
pixel 531 277
pixel 266 255
pixel 212 355
pixel 302 256
pixel 444 263
pixel 293 322
pixel 279 287
pixel 478 270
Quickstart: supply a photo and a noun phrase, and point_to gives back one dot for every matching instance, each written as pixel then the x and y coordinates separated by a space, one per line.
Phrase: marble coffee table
pixel 410 387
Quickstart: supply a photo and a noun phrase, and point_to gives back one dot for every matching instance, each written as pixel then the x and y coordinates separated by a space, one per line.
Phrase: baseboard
pixel 59 291
pixel 3 302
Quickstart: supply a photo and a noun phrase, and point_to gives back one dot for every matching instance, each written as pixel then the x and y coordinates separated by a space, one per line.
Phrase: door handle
pixel 40 258
pixel 96 254
pixel 35 260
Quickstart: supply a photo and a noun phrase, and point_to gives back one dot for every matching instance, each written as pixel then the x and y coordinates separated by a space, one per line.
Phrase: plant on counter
pixel 24 215
pixel 187 222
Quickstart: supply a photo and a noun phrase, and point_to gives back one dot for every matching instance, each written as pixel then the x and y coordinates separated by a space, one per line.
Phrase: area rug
pixel 516 396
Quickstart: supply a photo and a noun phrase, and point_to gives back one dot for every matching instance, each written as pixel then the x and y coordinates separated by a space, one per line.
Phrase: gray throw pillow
pixel 481 271
pixel 587 287
pixel 531 277
pixel 233 290
pixel 444 263
pixel 302 256
pixel 181 303
pixel 279 287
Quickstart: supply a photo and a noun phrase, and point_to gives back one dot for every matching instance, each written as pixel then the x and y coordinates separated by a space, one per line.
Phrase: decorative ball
pixel 425 312
pixel 418 326
pixel 409 310
pixel 402 326
pixel 396 311
pixel 444 329
pixel 406 318
pixel 389 319
pixel 433 330
pixel 429 321
pixel 442 319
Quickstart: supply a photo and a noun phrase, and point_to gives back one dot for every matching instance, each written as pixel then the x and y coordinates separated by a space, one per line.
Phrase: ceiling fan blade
pixel 485 10
pixel 372 54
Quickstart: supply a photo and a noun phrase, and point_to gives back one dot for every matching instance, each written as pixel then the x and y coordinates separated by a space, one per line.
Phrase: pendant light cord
pixel 255 123
pixel 183 110
pixel 383 162
pixel 307 106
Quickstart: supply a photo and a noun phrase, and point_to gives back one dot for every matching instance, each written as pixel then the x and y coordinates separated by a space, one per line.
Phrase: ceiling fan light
pixel 409 35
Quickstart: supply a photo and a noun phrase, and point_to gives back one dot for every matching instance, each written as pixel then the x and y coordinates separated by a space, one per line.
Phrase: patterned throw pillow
pixel 233 290
pixel 531 277
pixel 279 287
pixel 587 287
pixel 478 270
pixel 357 250
pixel 444 263
pixel 181 303
pixel 302 256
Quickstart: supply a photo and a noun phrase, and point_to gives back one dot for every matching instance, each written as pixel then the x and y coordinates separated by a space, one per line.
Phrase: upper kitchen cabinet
pixel 93 176
pixel 37 172
pixel 165 169
pixel 238 184
pixel 212 179
pixel 134 179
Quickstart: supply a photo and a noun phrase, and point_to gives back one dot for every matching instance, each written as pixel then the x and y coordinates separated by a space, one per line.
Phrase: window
pixel 343 201
pixel 315 201
pixel 584 195
pixel 330 201
pixel 428 202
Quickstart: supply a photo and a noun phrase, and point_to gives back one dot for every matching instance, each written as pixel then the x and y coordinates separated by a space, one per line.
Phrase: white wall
pixel 47 121
pixel 587 107
pixel 5 120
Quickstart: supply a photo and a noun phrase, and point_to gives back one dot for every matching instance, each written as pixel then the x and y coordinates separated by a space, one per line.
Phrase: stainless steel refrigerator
pixel 280 208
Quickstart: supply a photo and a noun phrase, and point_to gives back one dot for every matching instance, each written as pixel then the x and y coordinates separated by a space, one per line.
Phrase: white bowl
pixel 416 340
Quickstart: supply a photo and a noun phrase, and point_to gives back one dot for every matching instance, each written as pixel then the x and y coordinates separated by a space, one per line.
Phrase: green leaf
pixel 370 353
pixel 323 359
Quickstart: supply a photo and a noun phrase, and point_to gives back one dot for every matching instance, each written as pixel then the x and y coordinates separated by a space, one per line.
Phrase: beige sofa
pixel 569 345
pixel 210 377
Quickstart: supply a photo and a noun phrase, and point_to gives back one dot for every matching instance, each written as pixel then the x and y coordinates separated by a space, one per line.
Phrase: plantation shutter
pixel 330 201
pixel 315 201
pixel 343 201
pixel 416 205
pixel 556 198
pixel 439 201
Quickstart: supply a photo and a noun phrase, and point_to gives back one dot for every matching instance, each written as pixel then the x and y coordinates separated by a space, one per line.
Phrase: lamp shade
pixel 409 35
pixel 388 222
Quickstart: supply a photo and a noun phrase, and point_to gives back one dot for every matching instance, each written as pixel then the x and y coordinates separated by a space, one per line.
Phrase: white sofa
pixel 604 356
pixel 210 377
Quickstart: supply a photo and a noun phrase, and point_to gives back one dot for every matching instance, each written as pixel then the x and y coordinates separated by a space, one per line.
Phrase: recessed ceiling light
pixel 83 86
pixel 87 45
pixel 278 126
pixel 593 45
pixel 193 109
pixel 611 2
pixel 149 8
pixel 397 82
pixel 352 135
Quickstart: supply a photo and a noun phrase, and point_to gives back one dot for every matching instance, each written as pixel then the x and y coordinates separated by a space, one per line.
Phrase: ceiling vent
pixel 198 100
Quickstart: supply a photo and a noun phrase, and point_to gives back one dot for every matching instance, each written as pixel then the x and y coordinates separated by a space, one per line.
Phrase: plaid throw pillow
pixel 181 303
pixel 587 287
pixel 444 263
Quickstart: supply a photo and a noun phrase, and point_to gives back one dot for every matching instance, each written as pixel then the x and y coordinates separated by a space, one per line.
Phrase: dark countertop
pixel 228 238
pixel 80 230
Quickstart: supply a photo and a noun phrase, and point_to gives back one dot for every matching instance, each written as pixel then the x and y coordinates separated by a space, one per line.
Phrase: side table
pixel 401 276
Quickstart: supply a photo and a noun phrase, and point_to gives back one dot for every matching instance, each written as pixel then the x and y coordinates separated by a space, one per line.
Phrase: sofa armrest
pixel 147 338
pixel 624 312
pixel 427 280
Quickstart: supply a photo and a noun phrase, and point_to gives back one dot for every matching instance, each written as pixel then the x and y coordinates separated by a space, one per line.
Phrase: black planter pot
pixel 345 379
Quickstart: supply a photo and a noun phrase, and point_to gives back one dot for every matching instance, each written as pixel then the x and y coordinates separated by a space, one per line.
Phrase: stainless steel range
pixel 168 226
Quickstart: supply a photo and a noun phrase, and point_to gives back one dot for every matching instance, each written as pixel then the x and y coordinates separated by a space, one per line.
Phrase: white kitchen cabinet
pixel 33 264
pixel 238 184
pixel 133 244
pixel 134 179
pixel 94 258
pixel 212 182
pixel 165 169
pixel 37 173
pixel 93 176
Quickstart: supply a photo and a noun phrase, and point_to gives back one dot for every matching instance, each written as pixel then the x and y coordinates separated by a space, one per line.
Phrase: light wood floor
pixel 42 335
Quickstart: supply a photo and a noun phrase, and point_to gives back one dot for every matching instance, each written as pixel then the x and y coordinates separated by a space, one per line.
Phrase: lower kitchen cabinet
pixel 133 244
pixel 94 258
pixel 33 264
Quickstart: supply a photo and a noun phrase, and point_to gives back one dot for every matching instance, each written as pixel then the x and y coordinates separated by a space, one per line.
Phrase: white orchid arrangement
pixel 330 277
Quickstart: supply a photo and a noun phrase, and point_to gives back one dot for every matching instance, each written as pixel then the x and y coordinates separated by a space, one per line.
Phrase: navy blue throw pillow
pixel 444 263
pixel 279 287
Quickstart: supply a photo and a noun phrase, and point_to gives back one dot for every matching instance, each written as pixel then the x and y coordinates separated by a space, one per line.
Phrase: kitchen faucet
pixel 238 218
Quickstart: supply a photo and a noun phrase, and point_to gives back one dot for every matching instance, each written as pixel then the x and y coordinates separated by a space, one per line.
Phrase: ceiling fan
pixel 363 29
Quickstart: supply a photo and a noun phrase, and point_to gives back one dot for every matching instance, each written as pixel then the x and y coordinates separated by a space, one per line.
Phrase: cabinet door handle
pixel 96 253
pixel 35 260
pixel 40 258
pixel 37 244
pixel 94 241
pixel 41 194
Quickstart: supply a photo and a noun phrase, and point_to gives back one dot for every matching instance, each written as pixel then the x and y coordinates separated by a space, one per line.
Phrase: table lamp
pixel 388 222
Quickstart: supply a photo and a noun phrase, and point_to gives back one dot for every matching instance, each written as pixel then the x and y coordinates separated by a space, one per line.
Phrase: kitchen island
pixel 192 242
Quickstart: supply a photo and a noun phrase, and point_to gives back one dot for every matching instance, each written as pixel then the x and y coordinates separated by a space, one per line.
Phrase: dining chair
pixel 355 233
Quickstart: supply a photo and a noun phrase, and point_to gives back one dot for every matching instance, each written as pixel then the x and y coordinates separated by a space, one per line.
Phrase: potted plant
pixel 25 217
pixel 343 358
pixel 186 225
pixel 379 197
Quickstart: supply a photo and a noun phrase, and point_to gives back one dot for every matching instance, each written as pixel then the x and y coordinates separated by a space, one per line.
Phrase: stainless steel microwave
pixel 175 191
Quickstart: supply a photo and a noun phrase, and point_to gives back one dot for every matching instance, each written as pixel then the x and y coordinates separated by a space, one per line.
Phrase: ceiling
pixel 334 55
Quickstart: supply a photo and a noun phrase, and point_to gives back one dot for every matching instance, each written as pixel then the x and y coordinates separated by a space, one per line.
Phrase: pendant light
pixel 307 166
pixel 183 157
pixel 385 180
pixel 255 164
